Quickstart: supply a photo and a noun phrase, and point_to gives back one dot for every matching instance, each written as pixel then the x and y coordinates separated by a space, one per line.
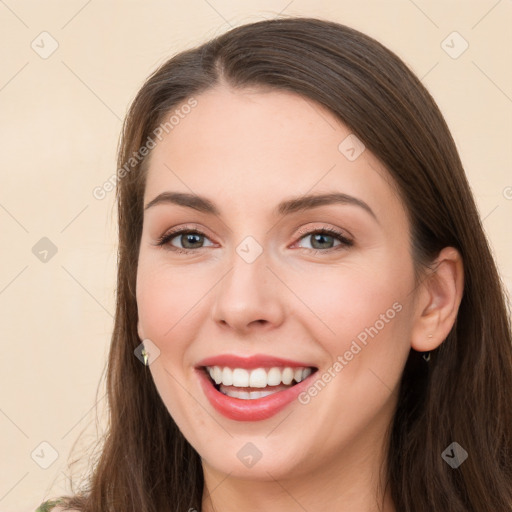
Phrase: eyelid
pixel 345 239
pixel 164 240
pixel 323 228
pixel 338 233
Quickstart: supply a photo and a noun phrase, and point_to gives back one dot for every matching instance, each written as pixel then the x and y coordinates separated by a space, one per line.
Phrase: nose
pixel 249 296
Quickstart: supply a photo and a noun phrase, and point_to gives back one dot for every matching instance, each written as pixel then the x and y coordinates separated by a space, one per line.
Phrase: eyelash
pixel 164 240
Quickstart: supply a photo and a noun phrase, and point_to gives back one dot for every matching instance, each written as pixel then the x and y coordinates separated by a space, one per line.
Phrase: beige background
pixel 60 121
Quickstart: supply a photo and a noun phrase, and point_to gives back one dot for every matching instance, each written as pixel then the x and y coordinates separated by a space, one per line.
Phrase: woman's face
pixel 259 280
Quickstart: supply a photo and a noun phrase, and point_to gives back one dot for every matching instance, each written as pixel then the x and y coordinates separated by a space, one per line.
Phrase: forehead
pixel 255 147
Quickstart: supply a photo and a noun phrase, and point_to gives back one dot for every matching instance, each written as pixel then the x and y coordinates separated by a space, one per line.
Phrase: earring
pixel 145 355
pixel 426 355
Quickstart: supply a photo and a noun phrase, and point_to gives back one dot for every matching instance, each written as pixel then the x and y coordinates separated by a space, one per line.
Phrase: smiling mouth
pixel 255 383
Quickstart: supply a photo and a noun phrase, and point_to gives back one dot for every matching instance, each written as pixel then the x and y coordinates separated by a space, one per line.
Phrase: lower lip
pixel 250 410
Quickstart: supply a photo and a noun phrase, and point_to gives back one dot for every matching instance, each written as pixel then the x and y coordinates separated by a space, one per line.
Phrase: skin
pixel 247 150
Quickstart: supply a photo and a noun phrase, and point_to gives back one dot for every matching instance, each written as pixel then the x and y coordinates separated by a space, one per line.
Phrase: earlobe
pixel 439 302
pixel 139 330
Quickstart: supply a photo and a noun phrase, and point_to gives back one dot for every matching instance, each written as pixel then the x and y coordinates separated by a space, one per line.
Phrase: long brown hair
pixel 463 395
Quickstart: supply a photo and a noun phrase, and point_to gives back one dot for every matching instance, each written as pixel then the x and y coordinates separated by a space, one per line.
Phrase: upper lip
pixel 254 361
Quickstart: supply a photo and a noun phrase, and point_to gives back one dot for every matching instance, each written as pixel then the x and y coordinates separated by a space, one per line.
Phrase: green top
pixel 47 506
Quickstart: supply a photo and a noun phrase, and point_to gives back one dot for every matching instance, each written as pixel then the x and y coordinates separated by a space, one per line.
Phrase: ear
pixel 139 330
pixel 438 301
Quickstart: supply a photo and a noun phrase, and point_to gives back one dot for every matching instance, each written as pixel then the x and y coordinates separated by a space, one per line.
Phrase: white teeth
pixel 274 377
pixel 287 376
pixel 227 376
pixel 217 375
pixel 240 378
pixel 258 377
pixel 248 395
pixel 306 373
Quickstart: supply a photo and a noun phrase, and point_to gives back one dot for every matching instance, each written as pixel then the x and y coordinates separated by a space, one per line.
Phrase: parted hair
pixel 463 394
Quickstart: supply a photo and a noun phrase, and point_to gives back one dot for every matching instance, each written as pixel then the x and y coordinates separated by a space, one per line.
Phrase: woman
pixel 308 313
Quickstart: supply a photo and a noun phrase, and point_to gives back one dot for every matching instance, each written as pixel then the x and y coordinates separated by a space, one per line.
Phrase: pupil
pixel 321 235
pixel 189 238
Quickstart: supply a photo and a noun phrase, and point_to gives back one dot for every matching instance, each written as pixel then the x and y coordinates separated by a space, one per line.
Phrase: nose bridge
pixel 246 293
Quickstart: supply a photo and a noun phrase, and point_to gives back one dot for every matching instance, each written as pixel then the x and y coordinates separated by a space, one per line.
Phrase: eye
pixel 190 240
pixel 322 239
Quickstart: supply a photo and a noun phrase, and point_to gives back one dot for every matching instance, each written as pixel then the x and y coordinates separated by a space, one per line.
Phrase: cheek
pixel 361 319
pixel 341 303
pixel 156 306
pixel 362 322
pixel 167 299
pixel 167 317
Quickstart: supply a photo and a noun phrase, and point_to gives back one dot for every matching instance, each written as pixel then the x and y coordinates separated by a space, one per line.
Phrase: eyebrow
pixel 286 207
